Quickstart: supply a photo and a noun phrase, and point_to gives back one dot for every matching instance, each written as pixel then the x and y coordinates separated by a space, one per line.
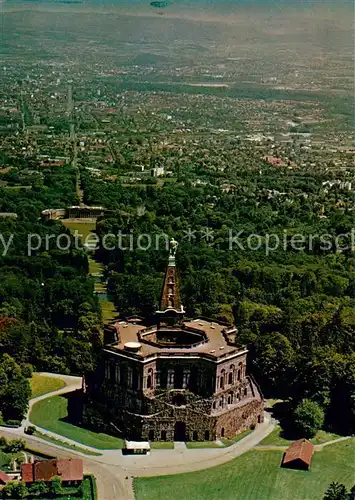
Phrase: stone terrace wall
pixel 239 419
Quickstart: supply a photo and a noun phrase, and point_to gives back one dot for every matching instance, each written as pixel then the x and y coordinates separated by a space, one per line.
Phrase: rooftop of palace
pixel 193 338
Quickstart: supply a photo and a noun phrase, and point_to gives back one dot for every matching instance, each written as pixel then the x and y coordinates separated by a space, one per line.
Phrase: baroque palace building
pixel 175 380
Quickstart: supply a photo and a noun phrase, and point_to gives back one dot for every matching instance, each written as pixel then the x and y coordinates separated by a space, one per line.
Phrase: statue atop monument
pixel 173 244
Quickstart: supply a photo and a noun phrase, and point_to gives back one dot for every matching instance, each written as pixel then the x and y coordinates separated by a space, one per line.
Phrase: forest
pixel 294 308
pixel 49 317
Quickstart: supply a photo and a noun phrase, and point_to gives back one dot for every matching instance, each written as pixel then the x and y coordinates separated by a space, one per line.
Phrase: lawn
pixel 108 309
pixel 51 414
pixel 202 444
pixel 256 475
pixel 58 442
pixel 161 445
pixel 41 384
pixel 276 439
pixel 83 228
pixel 95 267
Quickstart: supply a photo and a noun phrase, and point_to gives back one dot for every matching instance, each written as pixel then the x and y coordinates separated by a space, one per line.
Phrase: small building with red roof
pixel 70 471
pixel 4 479
pixel 298 455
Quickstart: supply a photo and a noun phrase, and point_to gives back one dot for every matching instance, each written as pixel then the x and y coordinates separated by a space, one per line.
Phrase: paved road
pixel 113 470
pixel 111 482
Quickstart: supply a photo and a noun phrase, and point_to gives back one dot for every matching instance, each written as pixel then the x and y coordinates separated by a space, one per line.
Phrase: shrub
pixel 38 488
pixel 55 486
pixel 27 370
pixel 31 429
pixel 15 446
pixel 12 423
pixel 15 489
pixel 308 418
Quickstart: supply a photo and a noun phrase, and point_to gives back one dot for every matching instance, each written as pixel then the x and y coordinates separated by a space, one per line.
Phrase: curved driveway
pixel 114 471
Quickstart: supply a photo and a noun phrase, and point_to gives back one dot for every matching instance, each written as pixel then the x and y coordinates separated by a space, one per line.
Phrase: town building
pixel 8 215
pixel 74 212
pixel 70 471
pixel 175 380
pixel 4 479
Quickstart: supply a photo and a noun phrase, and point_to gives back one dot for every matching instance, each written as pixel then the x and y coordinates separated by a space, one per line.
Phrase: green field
pixel 51 413
pixel 41 384
pixel 256 475
pixel 108 309
pixel 83 228
pixel 276 439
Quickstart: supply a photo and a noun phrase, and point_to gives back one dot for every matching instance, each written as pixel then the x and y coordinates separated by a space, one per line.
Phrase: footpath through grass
pixel 42 384
pixel 256 475
pixel 52 414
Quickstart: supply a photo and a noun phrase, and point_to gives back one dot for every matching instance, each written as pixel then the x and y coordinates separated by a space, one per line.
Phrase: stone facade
pixel 173 399
pixel 177 380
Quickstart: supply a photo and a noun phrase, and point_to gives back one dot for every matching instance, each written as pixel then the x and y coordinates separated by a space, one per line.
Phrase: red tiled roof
pixel 70 470
pixel 27 473
pixel 45 470
pixel 4 478
pixel 299 450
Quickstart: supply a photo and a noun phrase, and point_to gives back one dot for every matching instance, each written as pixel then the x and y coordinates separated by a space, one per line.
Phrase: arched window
pixel 246 391
pixel 135 379
pixel 171 376
pixel 221 402
pixel 221 380
pixel 107 369
pixel 230 398
pixel 118 374
pixel 163 435
pixel 214 405
pixel 207 435
pixel 222 432
pixel 150 379
pixel 195 436
pixel 230 378
pixel 151 435
pixel 129 377
pixel 113 371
